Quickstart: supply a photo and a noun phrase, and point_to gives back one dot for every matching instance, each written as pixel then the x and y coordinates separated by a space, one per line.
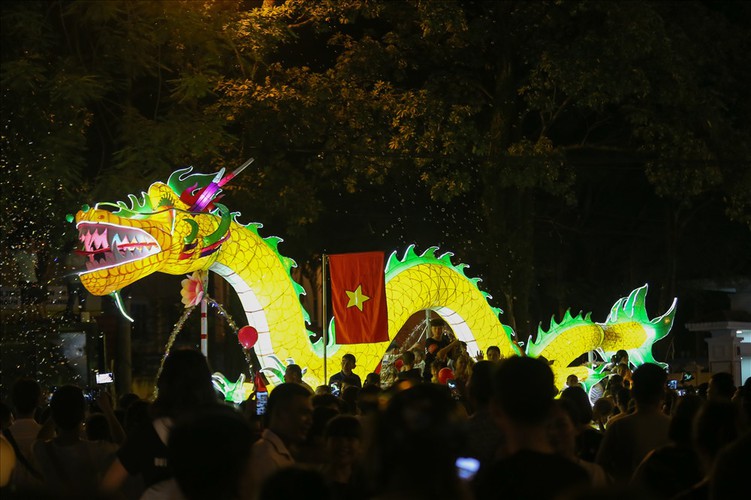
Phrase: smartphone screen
pixel 104 378
pixel 261 399
pixel 467 467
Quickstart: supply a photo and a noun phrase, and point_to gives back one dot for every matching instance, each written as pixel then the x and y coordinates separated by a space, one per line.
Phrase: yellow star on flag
pixel 356 298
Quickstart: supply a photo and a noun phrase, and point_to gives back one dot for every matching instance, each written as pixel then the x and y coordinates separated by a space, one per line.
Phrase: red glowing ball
pixel 248 336
pixel 444 375
pixel 398 364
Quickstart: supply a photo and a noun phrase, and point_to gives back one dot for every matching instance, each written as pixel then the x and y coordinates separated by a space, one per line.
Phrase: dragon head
pixel 175 228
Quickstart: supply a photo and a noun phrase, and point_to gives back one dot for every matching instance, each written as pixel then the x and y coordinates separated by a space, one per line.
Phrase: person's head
pixel 208 451
pixel 408 360
pixel 126 400
pixel 322 389
pixel 648 385
pixel 493 353
pixel 25 397
pixel 621 356
pixel 581 408
pixel 716 425
pixel 602 409
pixel 293 373
pixel 523 390
pixel 349 362
pixel 343 438
pixel 572 380
pixel 372 379
pixel 421 421
pixel 622 398
pixel 368 399
pixel 721 387
pixel 97 428
pixel 290 412
pixel 562 428
pixel 436 328
pixel 681 423
pixel 184 384
pixel 68 407
pixel 463 366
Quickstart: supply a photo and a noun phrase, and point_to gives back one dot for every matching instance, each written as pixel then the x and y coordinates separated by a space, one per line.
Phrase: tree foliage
pixel 521 124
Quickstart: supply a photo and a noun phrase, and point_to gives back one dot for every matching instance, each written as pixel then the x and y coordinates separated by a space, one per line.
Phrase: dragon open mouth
pixel 108 245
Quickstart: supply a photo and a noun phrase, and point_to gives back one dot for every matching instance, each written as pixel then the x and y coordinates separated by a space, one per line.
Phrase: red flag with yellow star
pixel 358 297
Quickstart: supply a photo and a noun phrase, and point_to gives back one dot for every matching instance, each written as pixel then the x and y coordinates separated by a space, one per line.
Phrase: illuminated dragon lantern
pixel 180 227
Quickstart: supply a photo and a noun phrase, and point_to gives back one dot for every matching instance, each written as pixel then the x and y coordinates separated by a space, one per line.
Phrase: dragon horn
pixel 233 174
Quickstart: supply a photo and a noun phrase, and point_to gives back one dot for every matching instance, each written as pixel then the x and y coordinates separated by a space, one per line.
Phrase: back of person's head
pixel 721 387
pixel 648 384
pixel 282 396
pixel 322 415
pixel 480 384
pixel 184 384
pixel 349 357
pixel 408 358
pixel 602 408
pixel 346 426
pixel 583 409
pixel 294 370
pixel 373 379
pixel 126 400
pixel 368 399
pixel 621 356
pixel 349 396
pixel 524 389
pixel 622 397
pixel 208 451
pixel 68 407
pixel 294 482
pixel 716 425
pixel 97 428
pixel 25 396
pixel 682 420
pixel 421 421
pixel 326 400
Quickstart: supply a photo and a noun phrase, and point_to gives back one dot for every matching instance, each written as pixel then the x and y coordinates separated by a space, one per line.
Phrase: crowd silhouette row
pixel 434 424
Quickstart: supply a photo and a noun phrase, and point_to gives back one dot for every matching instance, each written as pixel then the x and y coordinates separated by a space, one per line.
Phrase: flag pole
pixel 324 321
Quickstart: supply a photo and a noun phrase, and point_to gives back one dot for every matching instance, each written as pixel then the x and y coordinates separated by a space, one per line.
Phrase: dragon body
pixel 179 227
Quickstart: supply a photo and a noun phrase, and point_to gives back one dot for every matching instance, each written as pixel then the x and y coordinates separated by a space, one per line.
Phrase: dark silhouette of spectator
pixel 372 379
pixel 484 438
pixel 6 416
pixel 673 468
pixel 493 353
pixel 563 433
pixel 602 412
pixel 289 417
pixel 431 349
pixel 524 392
pixel 721 387
pixel 588 438
pixel 329 400
pixel 408 370
pixel 349 397
pixel 208 453
pixel 26 395
pixel 183 386
pixel 343 444
pixel 742 399
pixel 628 440
pixel 70 464
pixel 312 451
pixel 368 400
pixel 293 374
pixel 295 482
pixel 413 447
pixel 716 425
pixel 730 470
pixel 346 375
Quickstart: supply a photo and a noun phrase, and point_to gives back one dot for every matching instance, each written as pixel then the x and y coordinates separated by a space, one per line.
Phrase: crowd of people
pixel 434 424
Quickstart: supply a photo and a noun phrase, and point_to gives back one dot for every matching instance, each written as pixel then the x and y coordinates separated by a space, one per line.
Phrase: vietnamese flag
pixel 358 297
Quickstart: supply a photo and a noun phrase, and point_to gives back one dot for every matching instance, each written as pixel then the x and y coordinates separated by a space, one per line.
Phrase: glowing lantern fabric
pixel 358 297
